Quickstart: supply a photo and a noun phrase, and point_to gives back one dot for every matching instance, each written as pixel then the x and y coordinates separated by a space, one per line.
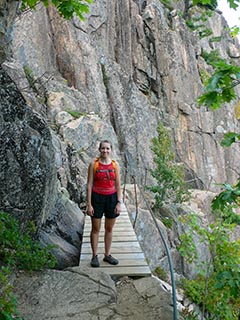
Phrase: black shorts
pixel 104 204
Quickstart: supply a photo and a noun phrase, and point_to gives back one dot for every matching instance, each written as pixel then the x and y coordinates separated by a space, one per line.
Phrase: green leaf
pixel 233 4
pixel 230 138
pixel 66 8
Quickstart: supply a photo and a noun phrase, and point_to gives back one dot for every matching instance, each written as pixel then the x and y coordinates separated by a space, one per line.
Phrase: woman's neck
pixel 105 160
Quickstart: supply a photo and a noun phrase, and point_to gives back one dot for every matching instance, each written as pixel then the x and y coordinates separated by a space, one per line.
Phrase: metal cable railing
pixel 133 179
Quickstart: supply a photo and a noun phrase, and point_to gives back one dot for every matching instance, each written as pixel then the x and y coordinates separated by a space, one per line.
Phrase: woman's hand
pixel 90 210
pixel 118 208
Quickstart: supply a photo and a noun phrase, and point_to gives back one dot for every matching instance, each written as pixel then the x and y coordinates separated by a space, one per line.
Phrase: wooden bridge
pixel 125 247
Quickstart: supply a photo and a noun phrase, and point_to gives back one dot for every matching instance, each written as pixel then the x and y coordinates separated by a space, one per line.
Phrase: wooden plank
pixel 120 228
pixel 116 232
pixel 116 238
pixel 117 223
pixel 118 244
pixel 119 256
pixel 124 232
pixel 122 249
pixel 122 263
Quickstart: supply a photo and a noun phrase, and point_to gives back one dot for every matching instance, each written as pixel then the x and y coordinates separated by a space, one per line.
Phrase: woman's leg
pixel 94 235
pixel 109 223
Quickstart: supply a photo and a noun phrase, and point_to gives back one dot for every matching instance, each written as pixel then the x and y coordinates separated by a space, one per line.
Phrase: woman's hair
pixel 104 141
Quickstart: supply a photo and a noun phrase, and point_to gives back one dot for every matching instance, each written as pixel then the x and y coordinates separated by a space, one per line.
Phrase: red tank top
pixel 104 179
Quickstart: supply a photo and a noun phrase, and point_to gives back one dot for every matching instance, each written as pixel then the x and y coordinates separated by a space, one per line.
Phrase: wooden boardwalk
pixel 125 247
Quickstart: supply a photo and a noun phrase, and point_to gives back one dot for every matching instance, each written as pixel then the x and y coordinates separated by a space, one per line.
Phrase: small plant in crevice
pixel 215 39
pixel 161 273
pixel 168 222
pixel 75 114
pixel 30 77
pixel 167 4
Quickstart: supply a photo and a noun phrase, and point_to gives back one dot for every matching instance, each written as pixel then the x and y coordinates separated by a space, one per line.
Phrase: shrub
pixel 17 251
pixel 8 304
pixel 169 175
pixel 216 288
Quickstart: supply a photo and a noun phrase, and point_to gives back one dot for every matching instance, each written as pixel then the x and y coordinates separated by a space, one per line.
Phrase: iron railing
pixel 133 180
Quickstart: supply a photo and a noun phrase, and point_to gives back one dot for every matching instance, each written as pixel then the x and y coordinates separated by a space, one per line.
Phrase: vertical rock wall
pixel 134 63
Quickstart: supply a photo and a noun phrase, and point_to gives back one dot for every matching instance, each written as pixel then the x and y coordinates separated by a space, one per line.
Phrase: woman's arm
pixel 89 189
pixel 118 187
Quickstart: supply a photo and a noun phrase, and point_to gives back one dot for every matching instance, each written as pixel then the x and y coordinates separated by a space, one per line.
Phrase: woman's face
pixel 105 149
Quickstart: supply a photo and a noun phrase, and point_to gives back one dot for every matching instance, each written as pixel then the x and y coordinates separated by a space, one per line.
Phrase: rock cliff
pixel 128 66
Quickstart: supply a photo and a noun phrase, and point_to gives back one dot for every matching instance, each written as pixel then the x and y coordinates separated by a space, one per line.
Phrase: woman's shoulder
pixel 93 161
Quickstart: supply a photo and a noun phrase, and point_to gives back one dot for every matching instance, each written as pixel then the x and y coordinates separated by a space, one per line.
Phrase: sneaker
pixel 110 260
pixel 94 262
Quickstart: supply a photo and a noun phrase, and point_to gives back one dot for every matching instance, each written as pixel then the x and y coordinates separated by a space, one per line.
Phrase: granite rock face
pixel 70 84
pixel 8 11
pixel 27 156
pixel 133 70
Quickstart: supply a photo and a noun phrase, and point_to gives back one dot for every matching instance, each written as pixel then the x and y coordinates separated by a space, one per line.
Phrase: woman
pixel 103 197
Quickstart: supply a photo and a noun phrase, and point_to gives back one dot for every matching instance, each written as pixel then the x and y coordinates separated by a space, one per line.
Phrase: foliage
pixel 216 287
pixel 169 175
pixel 167 4
pixel 226 201
pixel 233 4
pixel 215 39
pixel 30 76
pixel 189 314
pixel 234 31
pixel 66 8
pixel 168 222
pixel 219 87
pixel 160 273
pixel 230 195
pixel 8 304
pixel 199 23
pixel 230 138
pixel 19 250
pixel 211 4
pixel 74 114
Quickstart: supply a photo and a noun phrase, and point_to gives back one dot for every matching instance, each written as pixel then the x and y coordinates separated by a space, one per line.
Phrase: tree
pixel 219 87
pixel 170 185
pixel 66 8
pixel 216 286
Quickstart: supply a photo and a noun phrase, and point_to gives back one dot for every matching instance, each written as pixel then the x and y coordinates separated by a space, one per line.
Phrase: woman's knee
pixel 95 231
pixel 109 227
pixel 96 226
